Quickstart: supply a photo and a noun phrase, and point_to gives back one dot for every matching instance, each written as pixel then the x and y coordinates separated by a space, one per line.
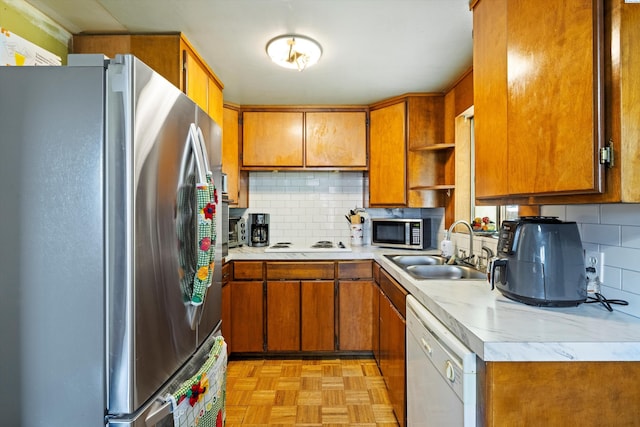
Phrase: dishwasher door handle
pixel 426 346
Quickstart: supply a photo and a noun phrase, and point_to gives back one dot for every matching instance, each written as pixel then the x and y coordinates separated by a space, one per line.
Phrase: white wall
pixel 613 229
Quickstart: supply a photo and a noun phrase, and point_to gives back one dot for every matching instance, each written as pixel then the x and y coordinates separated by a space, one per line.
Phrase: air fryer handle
pixel 495 264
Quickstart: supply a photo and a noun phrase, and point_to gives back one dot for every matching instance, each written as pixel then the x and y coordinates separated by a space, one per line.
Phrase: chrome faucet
pixel 462 221
pixel 483 267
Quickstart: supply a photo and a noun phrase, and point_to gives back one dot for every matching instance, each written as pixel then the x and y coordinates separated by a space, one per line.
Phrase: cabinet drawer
pixel 394 291
pixel 226 273
pixel 355 270
pixel 376 273
pixel 300 270
pixel 247 270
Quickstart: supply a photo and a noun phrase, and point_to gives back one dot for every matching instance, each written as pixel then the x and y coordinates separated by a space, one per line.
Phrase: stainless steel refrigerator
pixel 98 230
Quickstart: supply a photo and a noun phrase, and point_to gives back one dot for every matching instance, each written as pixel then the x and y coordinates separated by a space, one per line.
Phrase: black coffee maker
pixel 259 229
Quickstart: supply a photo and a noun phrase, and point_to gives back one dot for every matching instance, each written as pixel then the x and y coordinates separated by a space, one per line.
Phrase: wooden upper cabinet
pixel 196 81
pixel 409 159
pixel 215 102
pixel 237 181
pixel 171 55
pixel 336 139
pixel 622 108
pixel 304 139
pixel 230 153
pixel 490 97
pixel 538 97
pixel 387 158
pixel 272 139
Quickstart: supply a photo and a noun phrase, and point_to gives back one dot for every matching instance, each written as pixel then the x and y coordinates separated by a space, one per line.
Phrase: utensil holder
pixel 356 234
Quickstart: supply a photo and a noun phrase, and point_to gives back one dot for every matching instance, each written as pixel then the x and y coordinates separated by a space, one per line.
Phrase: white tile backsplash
pixel 305 207
pixel 613 229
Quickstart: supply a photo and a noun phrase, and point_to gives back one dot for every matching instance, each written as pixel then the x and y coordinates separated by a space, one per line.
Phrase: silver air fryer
pixel 540 262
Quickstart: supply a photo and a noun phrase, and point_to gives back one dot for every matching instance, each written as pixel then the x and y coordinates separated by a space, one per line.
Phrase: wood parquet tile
pixel 307 393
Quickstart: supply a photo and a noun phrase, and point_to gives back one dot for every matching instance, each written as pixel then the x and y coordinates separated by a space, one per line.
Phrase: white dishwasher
pixel 441 373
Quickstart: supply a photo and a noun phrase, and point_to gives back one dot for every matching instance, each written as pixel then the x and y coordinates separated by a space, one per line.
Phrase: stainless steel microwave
pixel 402 233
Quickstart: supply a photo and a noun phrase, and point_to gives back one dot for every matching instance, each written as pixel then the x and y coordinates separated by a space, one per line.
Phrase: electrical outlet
pixel 594 264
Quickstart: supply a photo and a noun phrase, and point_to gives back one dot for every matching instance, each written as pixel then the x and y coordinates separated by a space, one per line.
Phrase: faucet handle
pixel 488 251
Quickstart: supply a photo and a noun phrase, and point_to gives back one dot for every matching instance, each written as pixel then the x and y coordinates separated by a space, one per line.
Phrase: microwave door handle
pixel 407 233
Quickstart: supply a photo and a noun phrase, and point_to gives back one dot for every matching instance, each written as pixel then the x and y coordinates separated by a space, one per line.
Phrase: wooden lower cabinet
pixel 558 393
pixel 225 328
pixel 300 306
pixel 283 315
pixel 391 346
pixel 247 316
pixel 317 323
pixel 355 305
pixel 300 315
pixel 392 356
pixel 356 314
pixel 289 307
pixel 375 314
pixel 245 311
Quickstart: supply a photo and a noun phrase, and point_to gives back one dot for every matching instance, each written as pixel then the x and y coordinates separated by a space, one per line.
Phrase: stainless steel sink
pixel 444 272
pixel 407 260
pixel 434 267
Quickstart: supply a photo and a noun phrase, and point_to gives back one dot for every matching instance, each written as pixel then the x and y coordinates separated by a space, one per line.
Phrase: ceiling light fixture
pixel 294 51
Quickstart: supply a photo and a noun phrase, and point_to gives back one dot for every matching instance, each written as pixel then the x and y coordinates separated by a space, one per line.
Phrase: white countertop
pixel 494 327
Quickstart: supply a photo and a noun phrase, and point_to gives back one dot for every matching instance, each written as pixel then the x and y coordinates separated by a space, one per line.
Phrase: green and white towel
pixel 200 401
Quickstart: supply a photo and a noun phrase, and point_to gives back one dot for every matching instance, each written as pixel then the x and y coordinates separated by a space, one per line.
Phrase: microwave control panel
pixel 415 233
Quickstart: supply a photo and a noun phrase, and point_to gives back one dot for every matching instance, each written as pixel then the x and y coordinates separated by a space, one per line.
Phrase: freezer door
pixel 149 324
pixel 51 256
pixel 212 308
pixel 157 411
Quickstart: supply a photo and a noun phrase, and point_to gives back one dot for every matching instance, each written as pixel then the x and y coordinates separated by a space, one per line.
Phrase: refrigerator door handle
pixel 159 410
pixel 203 148
pixel 194 146
pixel 202 164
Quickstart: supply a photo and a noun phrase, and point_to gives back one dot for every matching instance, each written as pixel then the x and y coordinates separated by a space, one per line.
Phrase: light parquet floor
pixel 310 393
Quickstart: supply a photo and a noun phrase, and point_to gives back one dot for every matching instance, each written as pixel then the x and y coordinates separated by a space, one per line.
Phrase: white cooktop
pixel 323 246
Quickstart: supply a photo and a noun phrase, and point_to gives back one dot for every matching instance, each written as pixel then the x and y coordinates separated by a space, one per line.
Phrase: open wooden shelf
pixel 434 187
pixel 433 147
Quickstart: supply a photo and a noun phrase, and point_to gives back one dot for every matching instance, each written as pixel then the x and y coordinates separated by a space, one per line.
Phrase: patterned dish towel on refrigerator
pixel 200 401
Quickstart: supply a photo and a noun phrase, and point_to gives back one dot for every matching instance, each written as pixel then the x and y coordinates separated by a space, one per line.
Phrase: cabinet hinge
pixel 240 120
pixel 606 155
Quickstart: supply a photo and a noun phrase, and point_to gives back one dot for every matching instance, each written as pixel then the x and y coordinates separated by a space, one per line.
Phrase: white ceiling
pixel 373 49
